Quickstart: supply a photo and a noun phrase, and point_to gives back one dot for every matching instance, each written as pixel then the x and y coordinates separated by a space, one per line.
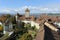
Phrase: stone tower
pixel 27 12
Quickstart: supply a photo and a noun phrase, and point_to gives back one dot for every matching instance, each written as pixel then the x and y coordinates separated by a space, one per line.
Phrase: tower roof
pixel 27 10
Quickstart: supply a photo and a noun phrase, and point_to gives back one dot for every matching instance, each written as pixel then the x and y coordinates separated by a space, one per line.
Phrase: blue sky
pixel 36 6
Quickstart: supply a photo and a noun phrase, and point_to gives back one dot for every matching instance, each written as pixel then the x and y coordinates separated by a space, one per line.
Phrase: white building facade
pixel 32 23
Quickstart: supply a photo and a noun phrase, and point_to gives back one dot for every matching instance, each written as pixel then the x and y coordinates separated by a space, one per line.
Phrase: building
pixel 8 27
pixel 16 16
pixel 27 12
pixel 3 18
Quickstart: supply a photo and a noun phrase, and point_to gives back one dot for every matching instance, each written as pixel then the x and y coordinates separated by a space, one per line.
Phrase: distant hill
pixel 56 14
pixel 34 14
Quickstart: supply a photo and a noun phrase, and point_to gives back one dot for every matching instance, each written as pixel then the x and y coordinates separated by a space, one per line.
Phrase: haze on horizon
pixel 35 6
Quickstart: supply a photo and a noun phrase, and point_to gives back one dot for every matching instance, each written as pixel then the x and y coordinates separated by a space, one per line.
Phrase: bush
pixel 26 36
pixel 1 28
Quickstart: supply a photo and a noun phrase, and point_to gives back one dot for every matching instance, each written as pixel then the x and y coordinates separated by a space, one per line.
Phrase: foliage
pixel 23 32
pixel 26 36
pixel 27 32
pixel 32 32
pixel 20 28
pixel 4 37
pixel 27 25
pixel 22 24
pixel 8 15
pixel 12 19
pixel 1 28
pixel 34 28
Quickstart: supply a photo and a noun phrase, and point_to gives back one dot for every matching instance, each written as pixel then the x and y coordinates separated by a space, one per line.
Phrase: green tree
pixel 8 15
pixel 1 28
pixel 12 19
pixel 34 28
pixel 28 25
pixel 25 36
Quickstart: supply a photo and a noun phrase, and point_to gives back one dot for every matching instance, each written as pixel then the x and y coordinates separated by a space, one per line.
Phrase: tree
pixel 8 15
pixel 34 28
pixel 1 28
pixel 13 20
pixel 28 25
pixel 26 36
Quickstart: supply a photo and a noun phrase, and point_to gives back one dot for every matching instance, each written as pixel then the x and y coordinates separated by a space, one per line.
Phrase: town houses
pixel 39 22
pixel 34 21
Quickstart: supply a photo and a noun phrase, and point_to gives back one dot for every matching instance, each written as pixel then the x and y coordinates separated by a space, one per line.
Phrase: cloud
pixel 5 10
pixel 33 9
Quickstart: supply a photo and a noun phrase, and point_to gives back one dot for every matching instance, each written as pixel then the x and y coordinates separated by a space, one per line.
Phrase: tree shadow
pixel 48 34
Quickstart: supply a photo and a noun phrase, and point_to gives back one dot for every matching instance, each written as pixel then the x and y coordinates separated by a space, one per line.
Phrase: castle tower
pixel 27 12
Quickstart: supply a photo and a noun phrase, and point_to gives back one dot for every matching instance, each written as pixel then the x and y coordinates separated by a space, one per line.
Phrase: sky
pixel 35 6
